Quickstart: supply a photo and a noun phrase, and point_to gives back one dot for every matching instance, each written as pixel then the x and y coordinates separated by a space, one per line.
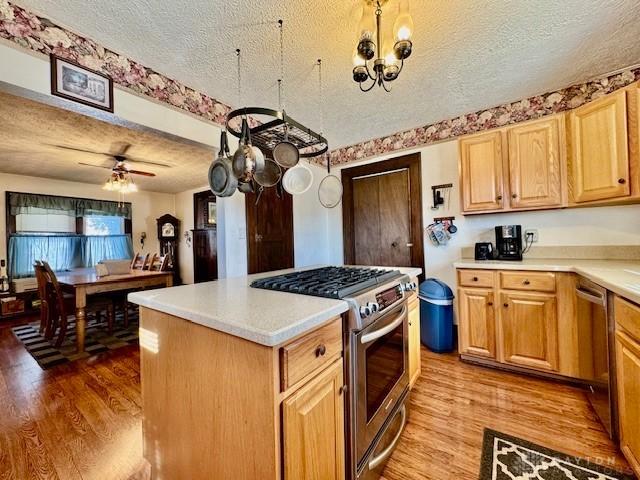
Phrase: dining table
pixel 83 282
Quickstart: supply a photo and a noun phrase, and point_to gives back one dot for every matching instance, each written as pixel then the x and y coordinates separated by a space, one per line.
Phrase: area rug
pixel 510 458
pixel 97 340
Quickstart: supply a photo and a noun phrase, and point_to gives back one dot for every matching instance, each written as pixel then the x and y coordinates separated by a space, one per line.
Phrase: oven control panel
pixel 388 297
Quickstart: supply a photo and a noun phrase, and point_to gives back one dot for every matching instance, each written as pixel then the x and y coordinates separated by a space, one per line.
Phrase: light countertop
pixel 230 305
pixel 620 276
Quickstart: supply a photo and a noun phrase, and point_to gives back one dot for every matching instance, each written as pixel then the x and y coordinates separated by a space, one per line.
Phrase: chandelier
pixel 120 182
pixel 389 53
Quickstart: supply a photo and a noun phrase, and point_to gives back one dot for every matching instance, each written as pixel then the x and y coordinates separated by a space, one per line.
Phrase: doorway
pixel 382 213
pixel 269 230
pixel 205 238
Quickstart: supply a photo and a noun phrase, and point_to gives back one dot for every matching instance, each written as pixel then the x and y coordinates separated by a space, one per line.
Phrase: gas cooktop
pixel 330 282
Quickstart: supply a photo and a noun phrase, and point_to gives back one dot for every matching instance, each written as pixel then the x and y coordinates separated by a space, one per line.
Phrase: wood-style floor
pixel 83 420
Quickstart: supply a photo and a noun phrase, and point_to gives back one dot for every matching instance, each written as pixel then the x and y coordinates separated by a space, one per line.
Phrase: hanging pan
pixel 245 161
pixel 285 153
pixel 330 189
pixel 270 176
pixel 222 180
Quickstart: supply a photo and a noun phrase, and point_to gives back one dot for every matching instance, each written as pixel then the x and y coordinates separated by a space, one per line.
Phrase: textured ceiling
pixel 29 130
pixel 468 54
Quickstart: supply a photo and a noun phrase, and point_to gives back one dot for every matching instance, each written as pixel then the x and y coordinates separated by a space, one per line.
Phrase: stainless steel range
pixel 376 355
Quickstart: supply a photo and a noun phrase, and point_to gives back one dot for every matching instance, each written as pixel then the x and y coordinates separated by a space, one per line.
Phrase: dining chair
pixel 159 263
pixel 64 306
pixel 43 295
pixel 140 262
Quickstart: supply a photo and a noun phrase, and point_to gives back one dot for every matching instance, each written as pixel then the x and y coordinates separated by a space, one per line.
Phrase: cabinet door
pixel 628 378
pixel 476 329
pixel 528 330
pixel 414 341
pixel 535 163
pixel 481 163
pixel 599 149
pixel 313 429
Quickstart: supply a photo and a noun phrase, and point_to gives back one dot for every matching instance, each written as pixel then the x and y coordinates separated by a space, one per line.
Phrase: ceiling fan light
pixel 366 49
pixel 391 72
pixel 360 74
pixel 403 49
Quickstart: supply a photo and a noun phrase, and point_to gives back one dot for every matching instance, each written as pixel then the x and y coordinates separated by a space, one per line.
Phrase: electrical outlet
pixel 531 235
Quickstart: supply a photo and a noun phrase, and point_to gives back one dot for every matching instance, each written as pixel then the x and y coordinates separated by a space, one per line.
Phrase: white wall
pixel 147 206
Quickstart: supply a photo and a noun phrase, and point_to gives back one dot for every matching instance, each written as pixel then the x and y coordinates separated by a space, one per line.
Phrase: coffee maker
pixel 509 242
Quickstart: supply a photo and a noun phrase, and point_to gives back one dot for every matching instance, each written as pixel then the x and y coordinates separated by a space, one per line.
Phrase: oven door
pixel 381 377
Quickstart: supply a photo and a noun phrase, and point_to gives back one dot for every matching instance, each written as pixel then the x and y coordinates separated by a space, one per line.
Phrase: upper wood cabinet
pixel 536 163
pixel 414 340
pixel 599 152
pixel 528 330
pixel 481 172
pixel 313 429
pixel 476 328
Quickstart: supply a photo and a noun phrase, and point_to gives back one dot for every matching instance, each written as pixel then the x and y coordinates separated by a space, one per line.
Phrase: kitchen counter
pixel 230 305
pixel 619 276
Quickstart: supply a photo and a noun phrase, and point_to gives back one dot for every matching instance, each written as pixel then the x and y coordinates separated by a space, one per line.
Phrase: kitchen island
pixel 242 383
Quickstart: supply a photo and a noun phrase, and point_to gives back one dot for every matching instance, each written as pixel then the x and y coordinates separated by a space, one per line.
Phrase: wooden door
pixel 599 149
pixel 269 231
pixel 382 213
pixel 481 172
pixel 205 255
pixel 313 429
pixel 628 378
pixel 536 162
pixel 476 318
pixel 528 331
pixel 414 340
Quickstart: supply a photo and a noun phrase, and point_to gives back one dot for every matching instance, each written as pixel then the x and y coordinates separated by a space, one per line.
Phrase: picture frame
pixel 80 84
pixel 212 213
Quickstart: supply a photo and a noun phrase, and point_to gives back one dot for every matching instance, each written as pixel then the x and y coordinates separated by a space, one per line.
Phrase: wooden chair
pixel 140 262
pixel 61 305
pixel 43 295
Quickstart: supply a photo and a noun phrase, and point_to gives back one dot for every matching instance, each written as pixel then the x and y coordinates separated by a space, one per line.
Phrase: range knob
pixel 409 286
pixel 365 311
pixel 373 306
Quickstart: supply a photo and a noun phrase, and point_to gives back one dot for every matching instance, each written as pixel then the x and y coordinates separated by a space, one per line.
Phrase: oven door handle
pixel 375 462
pixel 370 337
pixel 590 296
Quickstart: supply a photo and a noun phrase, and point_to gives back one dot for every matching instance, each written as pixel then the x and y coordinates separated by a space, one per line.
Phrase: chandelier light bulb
pixel 403 26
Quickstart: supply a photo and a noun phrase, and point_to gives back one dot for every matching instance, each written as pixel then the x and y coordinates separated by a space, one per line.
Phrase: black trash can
pixel 436 315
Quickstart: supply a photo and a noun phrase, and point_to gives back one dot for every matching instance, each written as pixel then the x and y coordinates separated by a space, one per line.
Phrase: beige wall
pixel 147 206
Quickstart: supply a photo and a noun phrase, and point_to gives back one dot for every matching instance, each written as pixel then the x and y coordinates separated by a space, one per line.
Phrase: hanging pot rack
pixel 268 134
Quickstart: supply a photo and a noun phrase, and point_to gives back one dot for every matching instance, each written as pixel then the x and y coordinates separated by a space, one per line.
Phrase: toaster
pixel 484 251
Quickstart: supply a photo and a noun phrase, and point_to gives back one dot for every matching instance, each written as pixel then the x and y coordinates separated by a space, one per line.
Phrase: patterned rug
pixel 510 458
pixel 97 340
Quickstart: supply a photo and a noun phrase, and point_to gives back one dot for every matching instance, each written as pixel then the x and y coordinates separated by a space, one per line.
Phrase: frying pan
pixel 285 153
pixel 222 181
pixel 270 176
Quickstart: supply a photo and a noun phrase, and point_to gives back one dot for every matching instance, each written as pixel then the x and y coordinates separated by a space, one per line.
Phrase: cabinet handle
pixel 526 282
pixel 490 304
pixel 622 181
pixel 499 197
pixel 320 350
pixel 342 389
pixel 505 305
pixel 475 279
pixel 514 195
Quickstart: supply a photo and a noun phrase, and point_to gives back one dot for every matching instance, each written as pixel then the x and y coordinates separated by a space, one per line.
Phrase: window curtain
pixel 64 252
pixel 20 203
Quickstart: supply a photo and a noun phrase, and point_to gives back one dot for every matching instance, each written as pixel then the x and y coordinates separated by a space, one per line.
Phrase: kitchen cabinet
pixel 627 317
pixel 414 340
pixel 599 152
pixel 481 172
pixel 528 330
pixel 476 329
pixel 313 429
pixel 536 163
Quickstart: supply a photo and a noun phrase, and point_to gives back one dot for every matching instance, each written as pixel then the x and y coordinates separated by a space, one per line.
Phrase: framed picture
pixel 74 82
pixel 212 213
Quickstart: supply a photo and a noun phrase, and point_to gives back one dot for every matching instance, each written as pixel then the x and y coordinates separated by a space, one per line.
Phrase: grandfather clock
pixel 168 236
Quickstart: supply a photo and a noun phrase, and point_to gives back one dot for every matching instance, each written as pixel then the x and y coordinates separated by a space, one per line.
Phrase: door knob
pixel 409 245
pixel 258 237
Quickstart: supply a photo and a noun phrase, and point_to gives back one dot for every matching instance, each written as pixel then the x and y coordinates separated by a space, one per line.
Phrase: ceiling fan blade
pixel 97 166
pixel 138 172
pixel 80 150
pixel 121 148
pixel 149 162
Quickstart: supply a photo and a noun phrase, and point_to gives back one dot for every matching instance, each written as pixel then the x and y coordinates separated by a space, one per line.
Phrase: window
pixel 103 225
pixel 41 220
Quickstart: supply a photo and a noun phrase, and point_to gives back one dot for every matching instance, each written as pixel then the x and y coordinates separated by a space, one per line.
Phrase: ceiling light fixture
pixel 120 182
pixel 389 53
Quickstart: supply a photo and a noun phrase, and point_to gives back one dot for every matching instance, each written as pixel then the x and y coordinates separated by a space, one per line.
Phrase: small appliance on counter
pixel 484 251
pixel 509 242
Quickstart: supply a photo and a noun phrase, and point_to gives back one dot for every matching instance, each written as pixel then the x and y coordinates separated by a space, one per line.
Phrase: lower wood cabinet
pixel 414 340
pixel 313 429
pixel 476 329
pixel 528 330
pixel 627 317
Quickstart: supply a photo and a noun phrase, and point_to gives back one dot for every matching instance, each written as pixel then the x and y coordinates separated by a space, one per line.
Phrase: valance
pixel 74 207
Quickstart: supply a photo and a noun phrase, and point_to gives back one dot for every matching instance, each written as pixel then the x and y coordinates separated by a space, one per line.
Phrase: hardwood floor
pixel 83 420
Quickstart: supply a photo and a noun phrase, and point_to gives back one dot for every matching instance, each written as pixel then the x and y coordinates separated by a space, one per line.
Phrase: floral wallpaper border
pixel 505 114
pixel 41 35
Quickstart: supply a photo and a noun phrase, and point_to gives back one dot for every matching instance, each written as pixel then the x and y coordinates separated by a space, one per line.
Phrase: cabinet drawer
pixel 301 357
pixel 627 317
pixel 476 278
pixel 533 281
